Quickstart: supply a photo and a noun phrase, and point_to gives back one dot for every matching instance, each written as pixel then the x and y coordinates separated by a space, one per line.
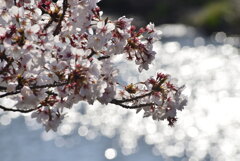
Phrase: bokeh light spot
pixel 110 153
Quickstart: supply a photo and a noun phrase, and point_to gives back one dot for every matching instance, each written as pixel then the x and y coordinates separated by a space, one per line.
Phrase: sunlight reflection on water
pixel 208 127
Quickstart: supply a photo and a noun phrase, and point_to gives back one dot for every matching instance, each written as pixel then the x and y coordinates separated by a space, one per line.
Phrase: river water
pixel 208 129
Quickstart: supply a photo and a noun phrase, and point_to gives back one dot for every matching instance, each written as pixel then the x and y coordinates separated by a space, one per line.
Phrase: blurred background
pixel 206 15
pixel 200 48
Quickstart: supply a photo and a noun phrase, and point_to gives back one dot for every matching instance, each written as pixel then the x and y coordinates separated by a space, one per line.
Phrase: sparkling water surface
pixel 208 128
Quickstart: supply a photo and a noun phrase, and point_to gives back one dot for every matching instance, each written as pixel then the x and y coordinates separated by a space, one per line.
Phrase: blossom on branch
pixel 54 54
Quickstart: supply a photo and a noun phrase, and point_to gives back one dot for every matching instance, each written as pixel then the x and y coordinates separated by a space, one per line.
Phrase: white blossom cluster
pixel 54 54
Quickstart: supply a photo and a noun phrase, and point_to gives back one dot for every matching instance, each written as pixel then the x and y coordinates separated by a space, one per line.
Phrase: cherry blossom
pixel 57 53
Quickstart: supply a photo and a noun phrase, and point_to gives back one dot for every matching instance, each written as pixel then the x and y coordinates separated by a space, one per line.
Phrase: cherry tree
pixel 56 53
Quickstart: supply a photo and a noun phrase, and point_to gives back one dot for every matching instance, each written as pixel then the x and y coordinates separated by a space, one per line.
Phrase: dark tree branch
pixel 9 94
pixel 114 101
pixel 117 102
pixel 3 88
pixel 32 87
pixel 6 67
pixel 92 53
pixel 18 110
pixel 89 56
pixel 59 25
pixel 49 85
pixel 48 24
pixel 104 57
pixel 134 98
pixel 121 102
pixel 8 60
